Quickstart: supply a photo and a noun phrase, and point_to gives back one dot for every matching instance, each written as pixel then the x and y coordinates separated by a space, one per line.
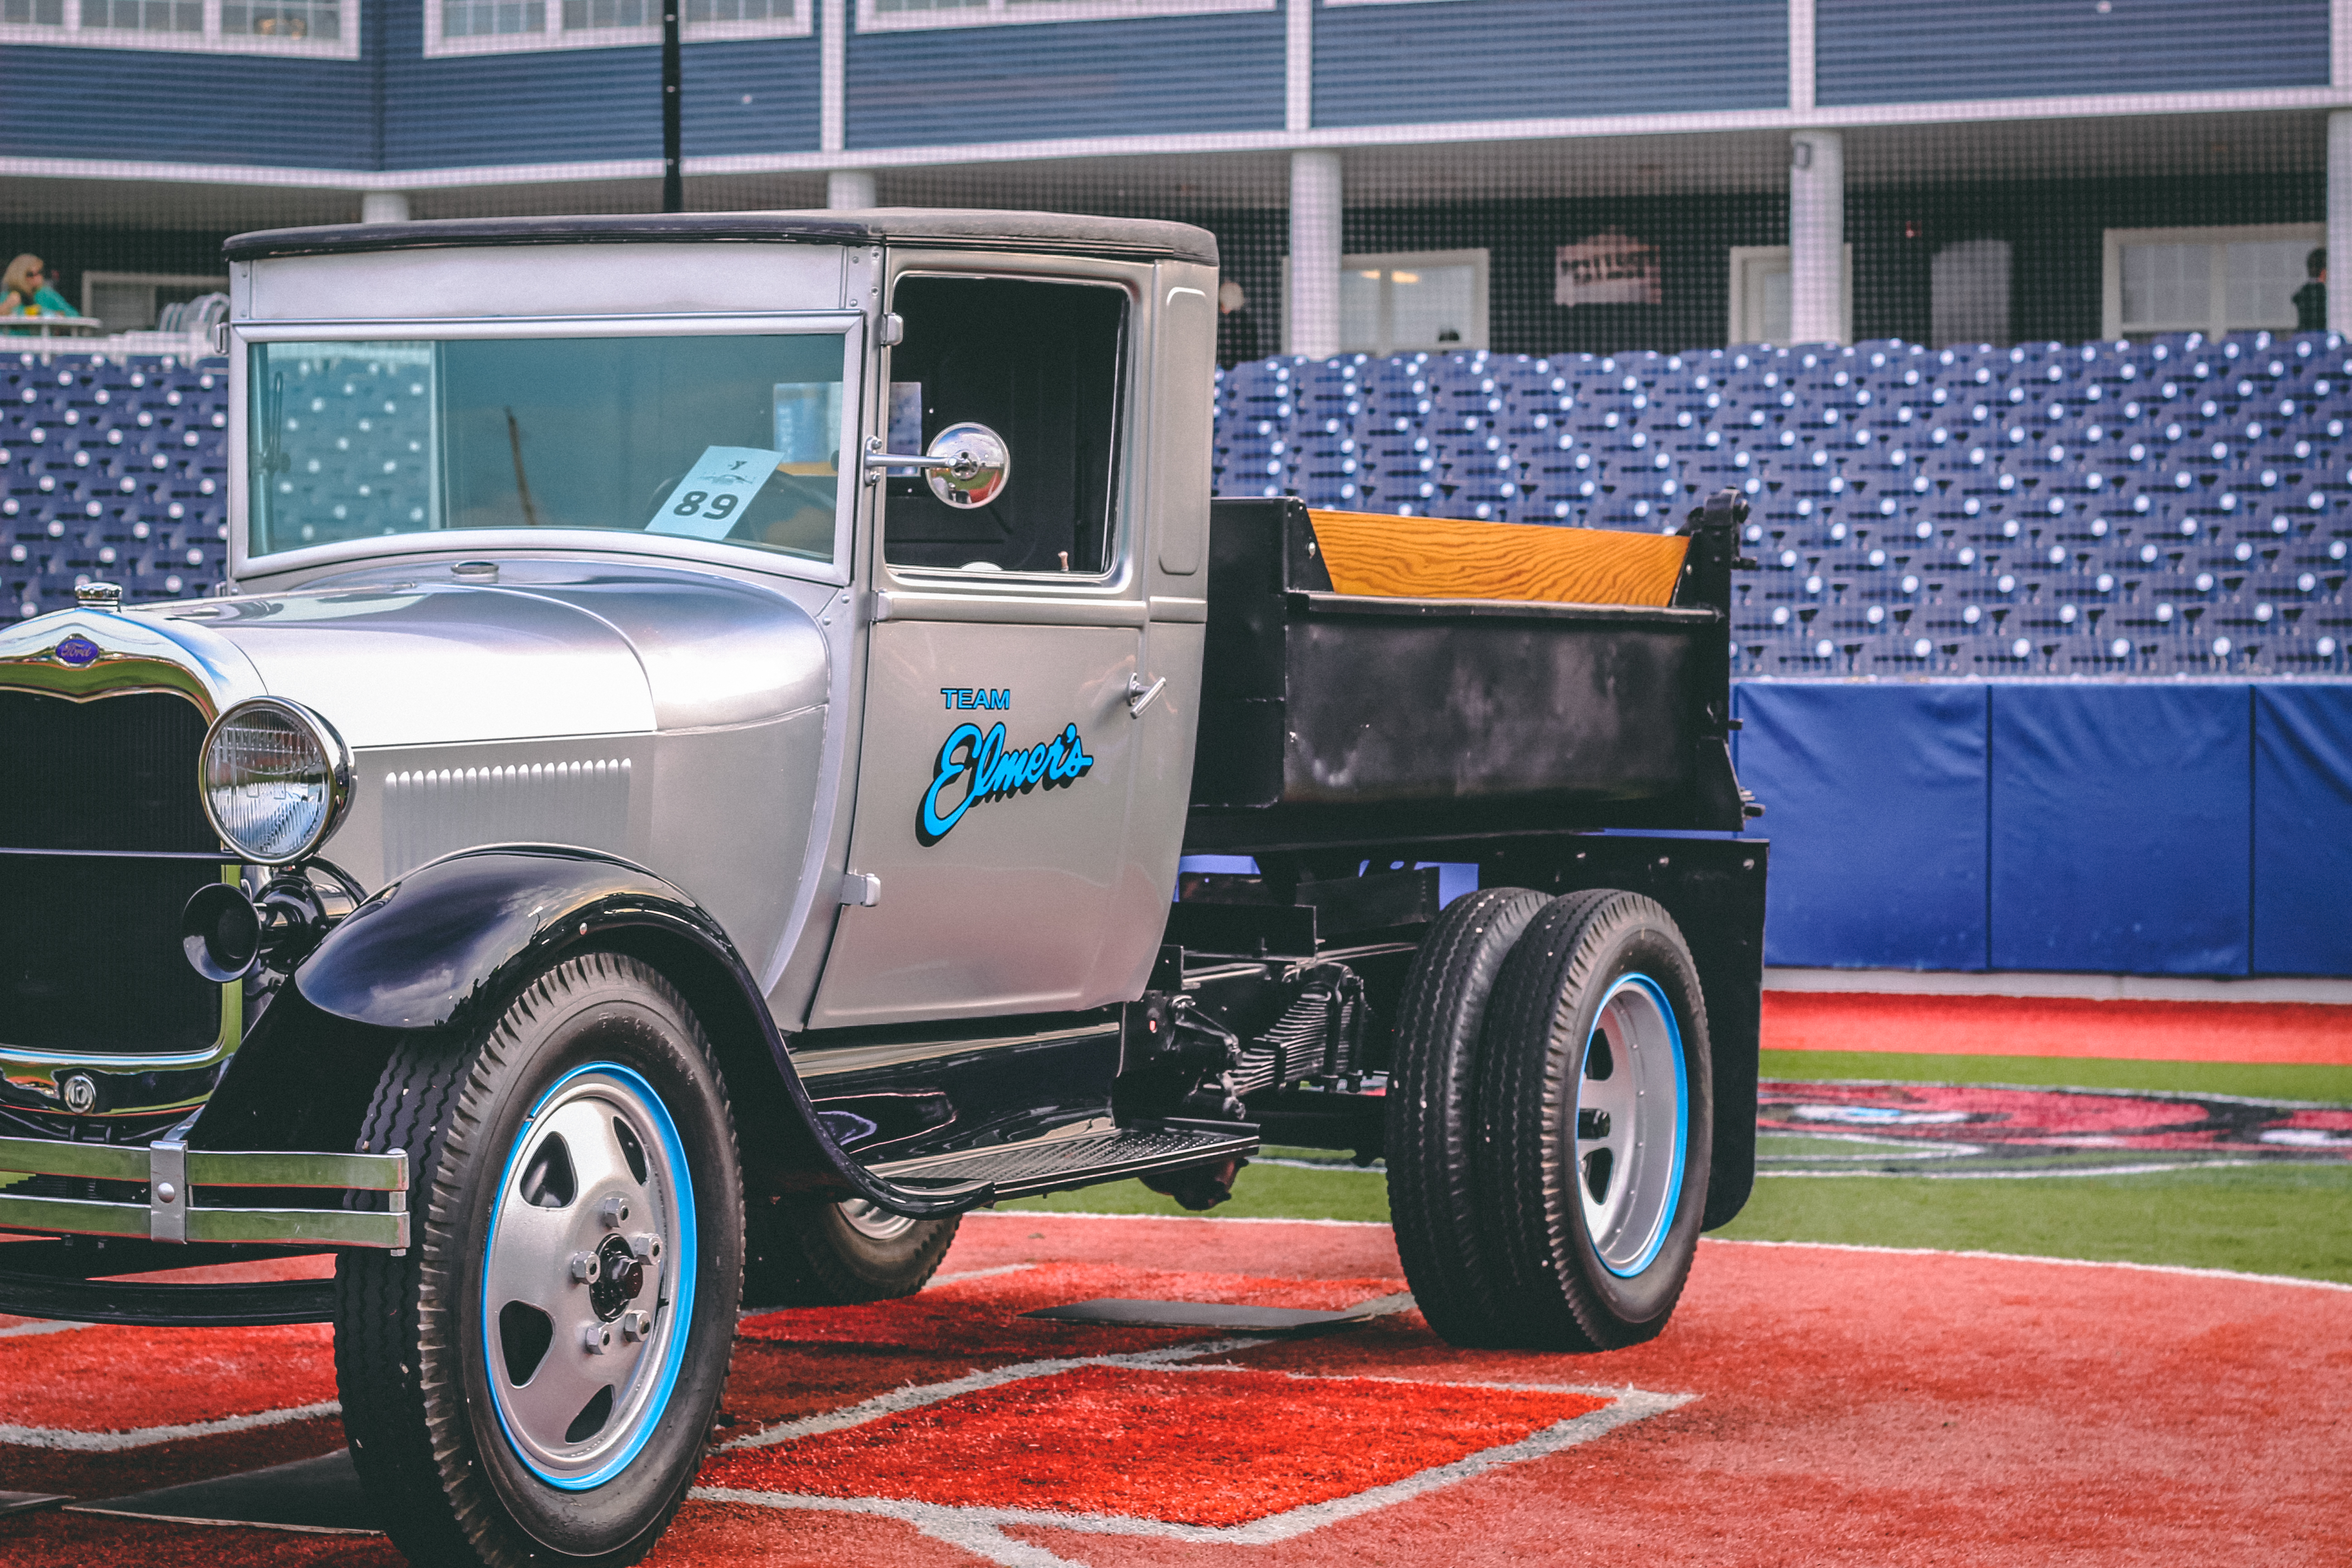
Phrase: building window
pixel 492 26
pixel 1760 296
pixel 2210 281
pixel 329 27
pixel 1407 301
pixel 881 15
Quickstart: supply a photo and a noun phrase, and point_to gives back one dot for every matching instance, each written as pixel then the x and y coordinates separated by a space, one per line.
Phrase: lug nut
pixel 586 1267
pixel 614 1211
pixel 596 1339
pixel 647 1246
pixel 636 1326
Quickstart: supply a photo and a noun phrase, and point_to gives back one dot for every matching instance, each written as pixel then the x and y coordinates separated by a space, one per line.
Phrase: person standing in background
pixel 2311 299
pixel 29 289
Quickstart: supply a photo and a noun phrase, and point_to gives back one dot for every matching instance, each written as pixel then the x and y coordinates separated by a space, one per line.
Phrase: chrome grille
pixel 89 947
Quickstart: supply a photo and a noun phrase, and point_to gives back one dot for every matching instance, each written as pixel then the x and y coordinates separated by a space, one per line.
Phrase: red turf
pixel 1214 1447
pixel 108 1378
pixel 2058 1027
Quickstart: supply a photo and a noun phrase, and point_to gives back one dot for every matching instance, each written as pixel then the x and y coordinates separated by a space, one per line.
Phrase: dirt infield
pixel 1809 1404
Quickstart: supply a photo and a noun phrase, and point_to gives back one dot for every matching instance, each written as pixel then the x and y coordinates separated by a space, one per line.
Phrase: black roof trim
pixel 1036 233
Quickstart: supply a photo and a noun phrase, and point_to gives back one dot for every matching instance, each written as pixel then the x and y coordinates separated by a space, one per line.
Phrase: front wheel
pixel 1599 1102
pixel 538 1378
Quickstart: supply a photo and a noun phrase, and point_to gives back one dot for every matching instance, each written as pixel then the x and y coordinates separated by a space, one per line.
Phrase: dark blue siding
pixel 185 107
pixel 2121 827
pixel 1867 51
pixel 1148 76
pixel 562 106
pixel 1504 60
pixel 1874 801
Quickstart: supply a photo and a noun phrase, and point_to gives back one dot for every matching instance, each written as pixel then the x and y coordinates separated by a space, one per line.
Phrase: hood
pixel 396 658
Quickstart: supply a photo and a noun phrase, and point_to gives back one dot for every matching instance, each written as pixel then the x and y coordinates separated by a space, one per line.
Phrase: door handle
pixel 1139 696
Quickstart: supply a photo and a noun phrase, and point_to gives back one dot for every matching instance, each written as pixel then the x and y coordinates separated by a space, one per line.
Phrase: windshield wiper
pixel 522 484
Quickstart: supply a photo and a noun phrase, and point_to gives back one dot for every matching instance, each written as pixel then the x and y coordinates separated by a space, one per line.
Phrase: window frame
pixel 1479 258
pixel 2111 272
pixel 801 23
pixel 1117 571
pixel 1744 256
pixel 850 325
pixel 70 33
pixel 872 19
pixel 213 284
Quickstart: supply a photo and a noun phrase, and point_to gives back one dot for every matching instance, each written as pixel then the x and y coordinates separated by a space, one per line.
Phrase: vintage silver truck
pixel 681 800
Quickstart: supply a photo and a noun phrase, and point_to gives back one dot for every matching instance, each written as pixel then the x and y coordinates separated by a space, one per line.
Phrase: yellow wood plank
pixel 1447 558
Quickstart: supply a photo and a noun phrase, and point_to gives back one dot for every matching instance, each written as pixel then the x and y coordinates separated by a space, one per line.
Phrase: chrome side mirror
pixel 968 466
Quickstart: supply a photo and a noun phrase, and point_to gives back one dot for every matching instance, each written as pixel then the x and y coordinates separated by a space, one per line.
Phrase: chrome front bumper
pixel 172 1173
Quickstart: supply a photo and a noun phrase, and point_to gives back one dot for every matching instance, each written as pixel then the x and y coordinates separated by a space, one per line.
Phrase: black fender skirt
pixel 454 939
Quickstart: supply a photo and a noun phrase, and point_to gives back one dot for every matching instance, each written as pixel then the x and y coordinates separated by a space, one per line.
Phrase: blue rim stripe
pixel 1682 1117
pixel 688 1250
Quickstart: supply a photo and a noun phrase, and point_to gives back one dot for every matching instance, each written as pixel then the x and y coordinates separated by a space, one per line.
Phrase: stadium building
pixel 2008 317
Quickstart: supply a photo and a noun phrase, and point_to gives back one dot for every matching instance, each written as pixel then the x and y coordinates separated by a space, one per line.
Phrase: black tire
pixel 599 1038
pixel 802 1254
pixel 1545 1173
pixel 1433 1113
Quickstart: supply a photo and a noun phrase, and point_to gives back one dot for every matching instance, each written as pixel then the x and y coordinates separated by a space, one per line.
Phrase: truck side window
pixel 1039 363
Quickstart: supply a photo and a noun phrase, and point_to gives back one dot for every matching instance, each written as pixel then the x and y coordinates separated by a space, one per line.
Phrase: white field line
pixel 2178 1269
pixel 914 1396
pixel 25 1331
pixel 223 1524
pixel 969 1274
pixel 2040 1173
pixel 980 1531
pixel 140 1438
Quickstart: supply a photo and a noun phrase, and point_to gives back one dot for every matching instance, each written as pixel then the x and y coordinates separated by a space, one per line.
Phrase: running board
pixel 1056 1164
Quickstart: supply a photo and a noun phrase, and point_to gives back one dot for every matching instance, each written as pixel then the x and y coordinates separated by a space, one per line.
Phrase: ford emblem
pixel 77 650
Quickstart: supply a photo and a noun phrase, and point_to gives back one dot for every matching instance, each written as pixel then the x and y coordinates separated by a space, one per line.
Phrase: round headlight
pixel 277 779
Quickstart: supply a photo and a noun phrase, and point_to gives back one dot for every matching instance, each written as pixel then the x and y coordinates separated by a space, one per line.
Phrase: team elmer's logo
pixel 987 770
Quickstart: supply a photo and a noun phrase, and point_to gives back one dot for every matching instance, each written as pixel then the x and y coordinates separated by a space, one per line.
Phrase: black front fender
pixel 446 946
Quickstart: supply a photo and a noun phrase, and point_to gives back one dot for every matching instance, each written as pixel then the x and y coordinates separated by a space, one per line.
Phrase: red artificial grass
pixel 110 1378
pixel 1214 1446
pixel 60 1540
pixel 2305 1033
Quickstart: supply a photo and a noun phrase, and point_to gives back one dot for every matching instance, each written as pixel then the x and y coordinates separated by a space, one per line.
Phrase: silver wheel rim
pixel 587 1284
pixel 873 1223
pixel 1631 1125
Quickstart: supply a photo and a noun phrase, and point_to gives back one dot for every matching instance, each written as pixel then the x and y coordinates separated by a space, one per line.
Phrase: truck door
pixel 998 748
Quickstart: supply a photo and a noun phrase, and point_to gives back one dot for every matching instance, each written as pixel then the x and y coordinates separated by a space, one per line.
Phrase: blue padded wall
pixel 2303 829
pixel 2121 819
pixel 1875 807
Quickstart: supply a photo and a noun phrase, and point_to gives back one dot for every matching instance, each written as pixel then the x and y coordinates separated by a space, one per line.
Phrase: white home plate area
pixel 1808 1402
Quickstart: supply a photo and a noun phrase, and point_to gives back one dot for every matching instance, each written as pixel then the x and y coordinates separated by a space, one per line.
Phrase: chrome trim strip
pixel 821 1062
pixel 183 1221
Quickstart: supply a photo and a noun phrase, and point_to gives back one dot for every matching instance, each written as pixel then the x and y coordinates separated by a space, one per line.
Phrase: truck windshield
pixel 713 438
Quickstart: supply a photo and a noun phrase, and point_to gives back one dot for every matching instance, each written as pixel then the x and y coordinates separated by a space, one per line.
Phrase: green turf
pixel 2271 1220
pixel 2256 1081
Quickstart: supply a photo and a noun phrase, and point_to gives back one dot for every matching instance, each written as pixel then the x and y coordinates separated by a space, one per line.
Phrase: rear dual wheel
pixel 1560 1104
pixel 536 1379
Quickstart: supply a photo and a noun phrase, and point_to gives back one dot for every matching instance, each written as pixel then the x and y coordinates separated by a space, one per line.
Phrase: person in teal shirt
pixel 29 290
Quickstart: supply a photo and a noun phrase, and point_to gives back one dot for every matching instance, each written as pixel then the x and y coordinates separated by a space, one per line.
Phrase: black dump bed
pixel 1330 719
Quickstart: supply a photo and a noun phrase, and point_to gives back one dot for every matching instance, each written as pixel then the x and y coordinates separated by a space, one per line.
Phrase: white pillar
pixel 2340 221
pixel 1314 254
pixel 831 76
pixel 1298 65
pixel 383 206
pixel 849 188
pixel 1816 237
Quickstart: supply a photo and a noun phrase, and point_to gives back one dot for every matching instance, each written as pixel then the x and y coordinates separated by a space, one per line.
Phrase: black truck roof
pixel 1058 233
